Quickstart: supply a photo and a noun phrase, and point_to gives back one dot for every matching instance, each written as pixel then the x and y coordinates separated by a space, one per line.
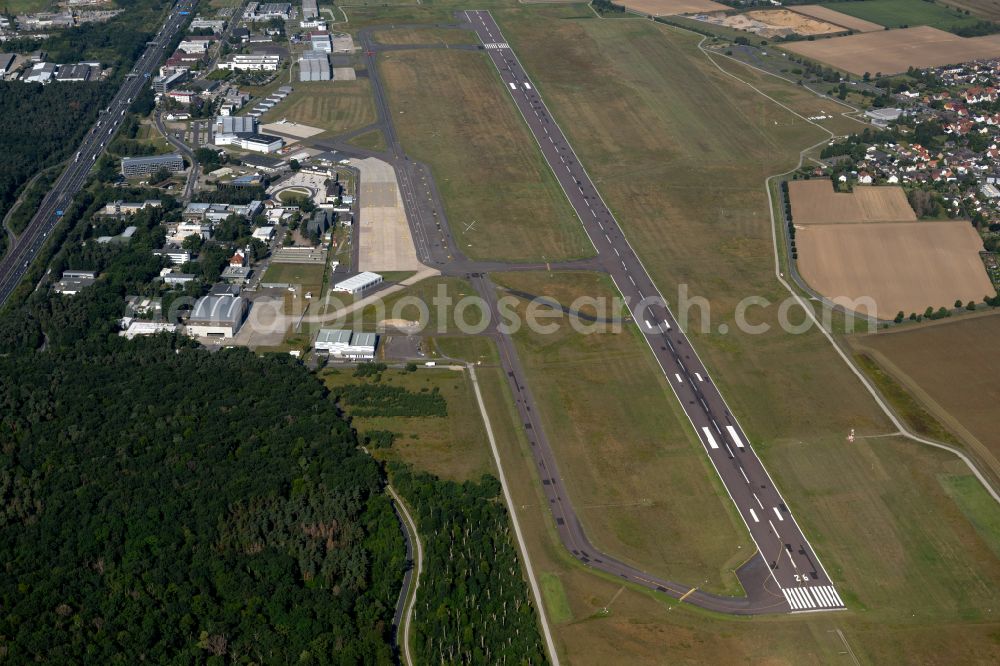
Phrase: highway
pixel 15 264
pixel 786 575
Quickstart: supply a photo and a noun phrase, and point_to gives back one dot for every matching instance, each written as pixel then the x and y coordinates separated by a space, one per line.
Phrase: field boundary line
pixel 886 408
pixel 535 589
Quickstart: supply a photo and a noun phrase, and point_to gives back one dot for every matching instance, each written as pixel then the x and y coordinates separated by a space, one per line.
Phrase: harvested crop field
pixel 901 266
pixel 959 384
pixel 893 51
pixel 816 202
pixel 672 7
pixel 800 24
pixel 824 13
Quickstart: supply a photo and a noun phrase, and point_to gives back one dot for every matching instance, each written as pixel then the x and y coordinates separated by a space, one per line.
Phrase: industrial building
pixel 72 282
pixel 320 41
pixel 342 343
pixel 309 10
pixel 40 72
pixel 257 11
pixel 218 315
pixel 252 62
pixel 6 63
pixel 260 143
pixel 228 125
pixel 145 166
pixel 358 283
pixel 78 72
pixel 314 66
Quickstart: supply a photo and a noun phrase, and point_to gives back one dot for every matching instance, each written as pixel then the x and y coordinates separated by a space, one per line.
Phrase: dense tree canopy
pixel 164 504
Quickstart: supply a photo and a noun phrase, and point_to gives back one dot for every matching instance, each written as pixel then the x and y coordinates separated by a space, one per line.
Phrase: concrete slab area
pixel 344 74
pixel 287 129
pixel 385 242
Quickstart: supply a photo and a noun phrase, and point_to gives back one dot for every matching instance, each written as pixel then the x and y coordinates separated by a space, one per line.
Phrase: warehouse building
pixel 314 66
pixel 145 166
pixel 358 283
pixel 309 10
pixel 342 343
pixel 218 315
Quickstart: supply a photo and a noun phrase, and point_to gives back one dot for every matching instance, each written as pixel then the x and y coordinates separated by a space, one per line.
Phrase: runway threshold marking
pixel 736 437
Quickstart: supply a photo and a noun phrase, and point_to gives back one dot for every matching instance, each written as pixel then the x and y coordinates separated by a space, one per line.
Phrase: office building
pixel 133 167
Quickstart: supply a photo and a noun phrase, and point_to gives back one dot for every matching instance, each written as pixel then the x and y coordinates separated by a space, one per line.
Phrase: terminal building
pixel 342 343
pixel 145 166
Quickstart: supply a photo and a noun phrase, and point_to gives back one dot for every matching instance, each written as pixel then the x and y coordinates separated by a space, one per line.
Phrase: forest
pixel 61 113
pixel 161 503
pixel 472 605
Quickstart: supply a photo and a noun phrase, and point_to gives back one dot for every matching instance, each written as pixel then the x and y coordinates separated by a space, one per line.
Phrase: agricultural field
pixel 816 202
pixel 900 13
pixel 987 9
pixel 825 13
pixel 902 267
pixel 638 477
pixel 453 447
pixel 680 152
pixel 893 51
pixel 334 107
pixel 672 7
pixel 959 386
pixel 451 112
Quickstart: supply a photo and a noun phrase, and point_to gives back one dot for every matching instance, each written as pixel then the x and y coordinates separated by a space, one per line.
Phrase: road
pixel 795 580
pixel 184 149
pixel 15 264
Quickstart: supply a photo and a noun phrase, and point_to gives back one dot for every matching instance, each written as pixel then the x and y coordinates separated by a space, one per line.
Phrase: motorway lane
pixel 794 567
pixel 15 263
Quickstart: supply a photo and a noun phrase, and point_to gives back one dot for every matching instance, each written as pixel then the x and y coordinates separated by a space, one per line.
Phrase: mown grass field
pixel 373 140
pixel 451 111
pixel 897 13
pixel 452 447
pixel 334 107
pixel 441 36
pixel 308 276
pixel 639 480
pixel 680 153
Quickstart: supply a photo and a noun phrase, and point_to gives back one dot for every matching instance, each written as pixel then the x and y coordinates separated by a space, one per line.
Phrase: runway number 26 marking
pixel 801 578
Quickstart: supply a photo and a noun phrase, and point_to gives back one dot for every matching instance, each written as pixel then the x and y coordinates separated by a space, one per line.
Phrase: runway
pixel 18 259
pixel 786 575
